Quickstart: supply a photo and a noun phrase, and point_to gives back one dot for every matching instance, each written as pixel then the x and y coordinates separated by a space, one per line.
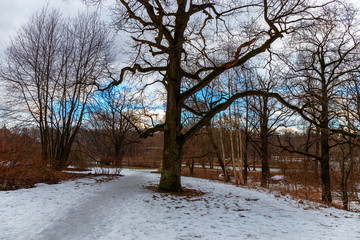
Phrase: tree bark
pixel 246 143
pixel 173 142
pixel 265 172
pixel 173 139
pixel 325 166
pixel 217 153
pixel 325 149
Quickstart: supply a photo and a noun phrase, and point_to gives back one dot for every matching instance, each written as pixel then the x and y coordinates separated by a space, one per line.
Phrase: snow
pixel 124 209
pixel 277 177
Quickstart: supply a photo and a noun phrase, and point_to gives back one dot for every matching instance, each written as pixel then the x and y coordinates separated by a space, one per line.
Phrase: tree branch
pixel 133 69
pixel 148 132
pixel 217 71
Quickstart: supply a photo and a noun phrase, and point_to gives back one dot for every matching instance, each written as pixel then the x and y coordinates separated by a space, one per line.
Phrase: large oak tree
pixel 179 42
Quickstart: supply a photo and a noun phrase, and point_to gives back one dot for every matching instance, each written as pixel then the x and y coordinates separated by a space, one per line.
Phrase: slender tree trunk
pixel 325 147
pixel 240 151
pixel 265 172
pixel 344 193
pixel 317 153
pixel 232 149
pixel 231 138
pixel 246 142
pixel 325 166
pixel 217 153
pixel 345 174
pixel 254 161
pixel 222 140
pixel 191 166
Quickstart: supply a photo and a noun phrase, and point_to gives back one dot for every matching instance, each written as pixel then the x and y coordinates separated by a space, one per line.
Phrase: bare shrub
pixel 20 162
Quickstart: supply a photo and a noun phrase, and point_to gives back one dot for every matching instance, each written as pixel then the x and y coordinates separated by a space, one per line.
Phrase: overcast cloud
pixel 15 13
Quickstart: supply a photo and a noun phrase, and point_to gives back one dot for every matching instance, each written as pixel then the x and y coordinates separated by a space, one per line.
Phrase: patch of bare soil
pixel 186 192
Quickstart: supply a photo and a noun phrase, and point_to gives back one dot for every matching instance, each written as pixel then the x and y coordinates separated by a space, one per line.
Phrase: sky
pixel 15 13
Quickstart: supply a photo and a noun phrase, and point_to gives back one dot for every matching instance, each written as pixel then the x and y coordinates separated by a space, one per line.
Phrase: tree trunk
pixel 231 138
pixel 217 152
pixel 60 161
pixel 325 147
pixel 265 172
pixel 171 168
pixel 222 141
pixel 173 140
pixel 325 166
pixel 118 154
pixel 317 153
pixel 191 166
pixel 240 150
pixel 344 195
pixel 245 160
pixel 345 174
pixel 254 161
pixel 246 143
pixel 232 150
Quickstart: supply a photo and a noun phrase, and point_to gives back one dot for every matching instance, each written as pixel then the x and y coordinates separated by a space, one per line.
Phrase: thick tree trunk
pixel 171 167
pixel 173 142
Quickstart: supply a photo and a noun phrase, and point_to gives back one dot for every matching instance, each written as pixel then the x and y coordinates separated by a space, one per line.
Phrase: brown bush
pixel 20 162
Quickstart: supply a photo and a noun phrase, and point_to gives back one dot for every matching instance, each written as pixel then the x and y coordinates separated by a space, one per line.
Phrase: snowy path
pixel 124 209
pixel 94 217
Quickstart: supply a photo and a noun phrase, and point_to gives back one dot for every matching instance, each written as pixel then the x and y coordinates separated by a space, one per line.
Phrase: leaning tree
pixel 178 43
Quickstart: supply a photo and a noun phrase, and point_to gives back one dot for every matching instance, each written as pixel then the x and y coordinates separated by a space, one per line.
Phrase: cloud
pixel 16 13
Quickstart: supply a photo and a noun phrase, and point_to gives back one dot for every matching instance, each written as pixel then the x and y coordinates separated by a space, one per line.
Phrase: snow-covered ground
pixel 124 209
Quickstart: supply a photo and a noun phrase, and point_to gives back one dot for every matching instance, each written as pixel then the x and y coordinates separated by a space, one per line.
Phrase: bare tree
pixel 325 56
pixel 109 122
pixel 176 41
pixel 269 116
pixel 52 66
